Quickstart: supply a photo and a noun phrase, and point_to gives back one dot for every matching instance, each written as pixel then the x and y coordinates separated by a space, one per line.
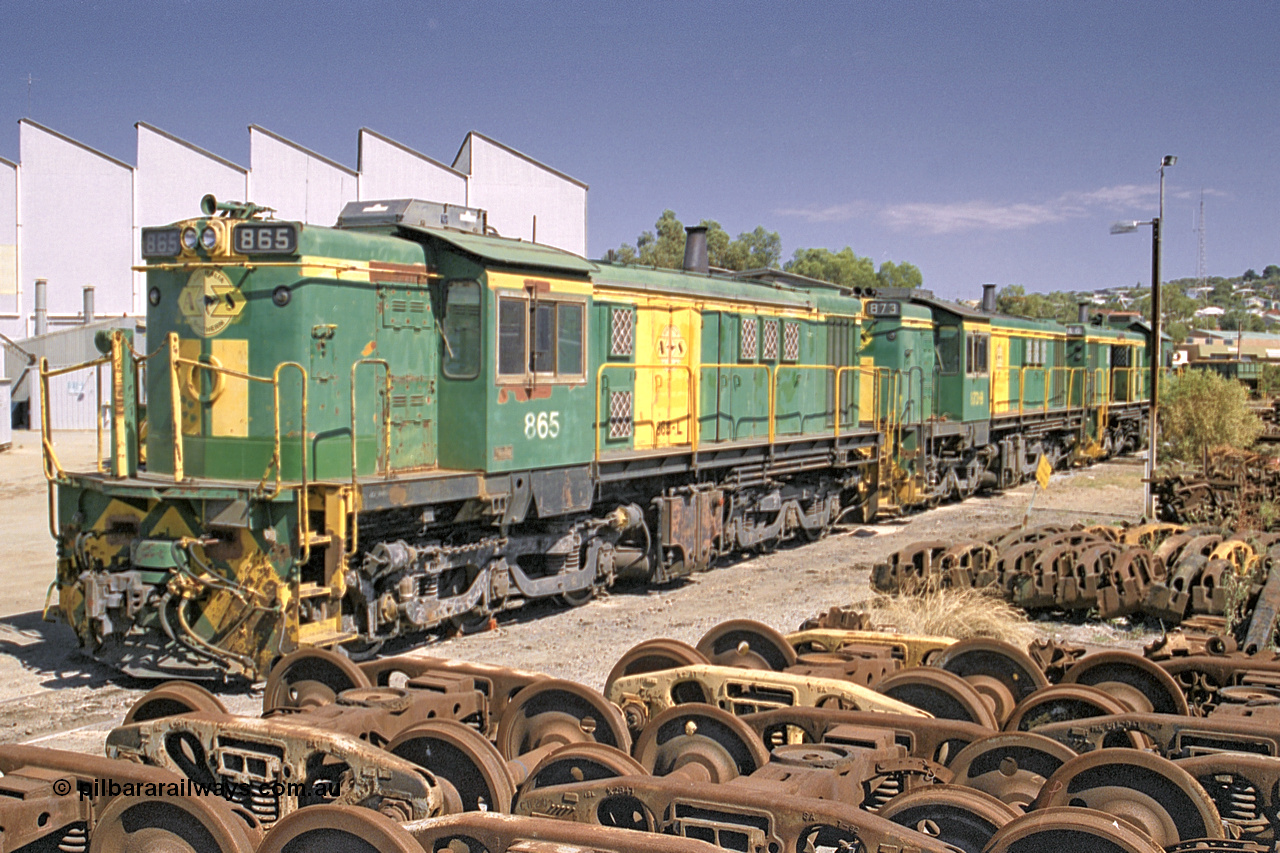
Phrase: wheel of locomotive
pixel 577 598
pixel 1000 671
pixel 338 829
pixel 133 824
pixel 1134 680
pixel 703 738
pixel 309 678
pixel 1010 766
pixel 462 757
pixel 171 699
pixel 941 693
pixel 552 711
pixel 1058 829
pixel 579 762
pixel 1060 703
pixel 652 656
pixel 471 622
pixel 1150 792
pixel 747 644
pixel 965 818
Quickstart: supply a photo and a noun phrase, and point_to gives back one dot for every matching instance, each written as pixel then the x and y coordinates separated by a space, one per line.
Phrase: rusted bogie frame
pixel 924 738
pixel 280 764
pixel 57 800
pixel 326 829
pixel 732 816
pixel 1170 735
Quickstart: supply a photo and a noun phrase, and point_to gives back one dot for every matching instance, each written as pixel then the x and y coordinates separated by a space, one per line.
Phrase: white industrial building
pixel 72 216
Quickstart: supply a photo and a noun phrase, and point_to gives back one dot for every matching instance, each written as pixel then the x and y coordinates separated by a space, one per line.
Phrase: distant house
pixel 1210 311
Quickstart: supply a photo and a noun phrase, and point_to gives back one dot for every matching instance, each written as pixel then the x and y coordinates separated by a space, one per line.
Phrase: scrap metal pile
pixel 828 739
pixel 1232 487
pixel 1210 579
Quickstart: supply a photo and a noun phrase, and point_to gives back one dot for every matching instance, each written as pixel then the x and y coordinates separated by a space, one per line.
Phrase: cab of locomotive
pixel 259 323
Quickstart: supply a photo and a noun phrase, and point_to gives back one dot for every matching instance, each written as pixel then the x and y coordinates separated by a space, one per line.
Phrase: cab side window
pixel 946 346
pixel 540 337
pixel 461 330
pixel 976 354
pixel 513 317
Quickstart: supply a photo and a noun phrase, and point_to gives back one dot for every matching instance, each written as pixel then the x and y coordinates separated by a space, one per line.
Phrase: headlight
pixel 208 238
pixel 189 238
pixel 153 296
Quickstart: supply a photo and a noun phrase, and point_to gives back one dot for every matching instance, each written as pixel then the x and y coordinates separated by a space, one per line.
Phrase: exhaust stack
pixel 695 249
pixel 1083 309
pixel 989 298
pixel 42 306
pixel 88 304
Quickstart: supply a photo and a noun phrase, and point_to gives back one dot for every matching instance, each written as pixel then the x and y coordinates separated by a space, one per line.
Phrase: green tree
pixel 1236 320
pixel 1271 271
pixel 1202 410
pixel 1249 275
pixel 663 249
pixel 664 246
pixel 842 267
pixel 758 249
pixel 899 275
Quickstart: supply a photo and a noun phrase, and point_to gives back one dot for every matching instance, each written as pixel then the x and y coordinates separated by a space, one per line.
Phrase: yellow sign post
pixel 1043 470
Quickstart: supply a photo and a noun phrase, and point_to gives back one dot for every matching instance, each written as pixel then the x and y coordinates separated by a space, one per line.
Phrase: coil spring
pixel 76 839
pixel 888 788
pixel 1238 803
pixel 264 806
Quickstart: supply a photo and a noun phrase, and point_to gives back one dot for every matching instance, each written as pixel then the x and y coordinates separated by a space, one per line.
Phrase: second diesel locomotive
pixel 359 433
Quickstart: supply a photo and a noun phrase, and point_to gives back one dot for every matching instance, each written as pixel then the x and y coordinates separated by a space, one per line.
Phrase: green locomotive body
pixel 363 432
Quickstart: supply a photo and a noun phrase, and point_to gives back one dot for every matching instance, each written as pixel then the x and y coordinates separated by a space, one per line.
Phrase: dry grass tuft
pixel 953 612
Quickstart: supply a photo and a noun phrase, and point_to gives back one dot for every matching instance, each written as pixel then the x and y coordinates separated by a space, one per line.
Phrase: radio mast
pixel 1200 264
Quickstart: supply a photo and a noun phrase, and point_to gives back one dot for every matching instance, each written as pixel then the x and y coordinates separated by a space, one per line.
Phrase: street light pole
pixel 1156 350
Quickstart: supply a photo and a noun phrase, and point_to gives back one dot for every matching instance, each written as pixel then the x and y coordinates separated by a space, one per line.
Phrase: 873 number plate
pixel 265 239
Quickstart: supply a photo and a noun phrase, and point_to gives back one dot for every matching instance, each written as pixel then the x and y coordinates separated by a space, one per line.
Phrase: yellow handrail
pixel 769 382
pixel 175 386
pixel 386 445
pixel 52 467
pixel 693 394
pixel 858 369
pixel 777 375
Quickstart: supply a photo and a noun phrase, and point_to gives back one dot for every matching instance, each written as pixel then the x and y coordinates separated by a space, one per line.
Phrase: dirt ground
pixel 52 695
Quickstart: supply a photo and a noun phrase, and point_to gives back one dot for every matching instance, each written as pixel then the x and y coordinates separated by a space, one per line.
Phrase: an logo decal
pixel 671 347
pixel 209 302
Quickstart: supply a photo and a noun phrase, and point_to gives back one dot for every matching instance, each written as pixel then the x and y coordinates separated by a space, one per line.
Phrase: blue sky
pixel 983 142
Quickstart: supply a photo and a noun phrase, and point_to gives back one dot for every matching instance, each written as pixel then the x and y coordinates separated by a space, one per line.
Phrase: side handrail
pixel 769 389
pixel 693 396
pixel 304 496
pixel 53 469
pixel 176 360
pixel 858 370
pixel 354 526
pixel 777 378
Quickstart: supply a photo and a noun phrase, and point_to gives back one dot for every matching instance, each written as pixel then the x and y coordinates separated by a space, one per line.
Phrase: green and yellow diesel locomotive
pixel 342 436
